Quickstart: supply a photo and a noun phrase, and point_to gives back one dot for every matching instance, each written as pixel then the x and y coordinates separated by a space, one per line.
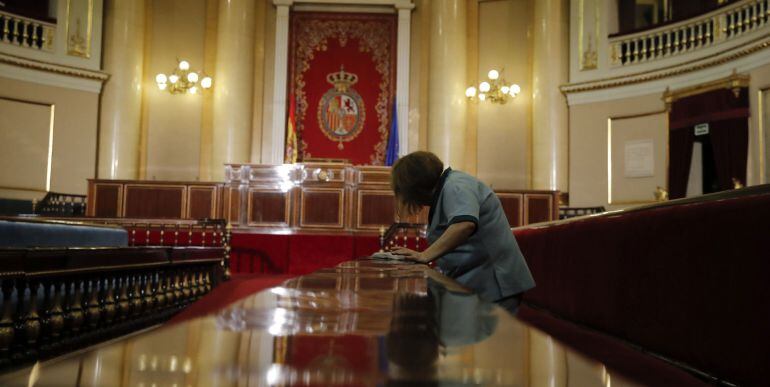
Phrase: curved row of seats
pixel 685 281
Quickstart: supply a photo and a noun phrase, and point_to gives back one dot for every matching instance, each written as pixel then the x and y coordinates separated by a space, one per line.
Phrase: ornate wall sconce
pixel 182 80
pixel 495 90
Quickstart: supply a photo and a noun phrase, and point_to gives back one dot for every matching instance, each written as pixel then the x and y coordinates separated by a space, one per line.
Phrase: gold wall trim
pixel 53 68
pixel 609 156
pixel 76 47
pixel 588 51
pixel 734 81
pixel 49 152
pixel 761 133
pixel 717 59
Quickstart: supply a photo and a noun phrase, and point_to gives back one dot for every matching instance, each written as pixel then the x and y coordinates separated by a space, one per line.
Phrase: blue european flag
pixel 391 153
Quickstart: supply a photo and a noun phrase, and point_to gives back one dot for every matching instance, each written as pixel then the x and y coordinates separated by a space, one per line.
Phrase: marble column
pixel 280 68
pixel 447 82
pixel 404 10
pixel 233 85
pixel 121 103
pixel 550 68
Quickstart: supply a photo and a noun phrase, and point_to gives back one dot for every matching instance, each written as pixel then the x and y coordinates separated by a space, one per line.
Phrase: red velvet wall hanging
pixel 342 77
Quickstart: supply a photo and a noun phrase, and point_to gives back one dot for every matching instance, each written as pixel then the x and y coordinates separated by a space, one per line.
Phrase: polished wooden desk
pixel 360 323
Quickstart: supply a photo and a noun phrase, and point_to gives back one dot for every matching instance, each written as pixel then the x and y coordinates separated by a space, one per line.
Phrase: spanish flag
pixel 291 134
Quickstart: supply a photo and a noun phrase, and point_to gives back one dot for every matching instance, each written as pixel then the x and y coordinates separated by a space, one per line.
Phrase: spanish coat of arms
pixel 341 111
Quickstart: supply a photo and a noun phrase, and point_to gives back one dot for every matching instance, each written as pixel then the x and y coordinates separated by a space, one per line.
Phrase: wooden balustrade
pixel 410 235
pixel 60 204
pixel 26 32
pixel 57 300
pixel 689 35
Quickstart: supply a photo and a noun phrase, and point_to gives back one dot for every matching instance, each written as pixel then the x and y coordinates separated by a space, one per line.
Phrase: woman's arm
pixel 455 235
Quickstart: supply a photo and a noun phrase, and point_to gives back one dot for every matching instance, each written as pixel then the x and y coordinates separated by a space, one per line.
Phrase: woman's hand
pixel 409 254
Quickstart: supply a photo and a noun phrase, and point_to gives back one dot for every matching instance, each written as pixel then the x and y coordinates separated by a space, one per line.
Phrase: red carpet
pixel 239 286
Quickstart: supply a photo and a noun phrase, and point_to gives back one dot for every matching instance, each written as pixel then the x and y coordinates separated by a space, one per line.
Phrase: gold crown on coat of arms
pixel 342 80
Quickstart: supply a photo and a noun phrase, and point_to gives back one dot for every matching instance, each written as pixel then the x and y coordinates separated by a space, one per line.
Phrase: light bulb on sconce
pixel 182 80
pixel 206 82
pixel 494 89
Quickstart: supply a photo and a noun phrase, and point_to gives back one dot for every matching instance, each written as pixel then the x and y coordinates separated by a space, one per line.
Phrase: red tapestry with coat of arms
pixel 342 75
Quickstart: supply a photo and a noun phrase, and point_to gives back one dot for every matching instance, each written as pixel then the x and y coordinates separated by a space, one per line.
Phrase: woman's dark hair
pixel 414 178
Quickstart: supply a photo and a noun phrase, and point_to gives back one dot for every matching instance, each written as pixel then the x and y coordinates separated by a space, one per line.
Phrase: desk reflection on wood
pixel 359 324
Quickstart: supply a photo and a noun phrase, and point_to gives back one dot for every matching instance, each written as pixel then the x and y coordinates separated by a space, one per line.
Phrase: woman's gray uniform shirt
pixel 489 262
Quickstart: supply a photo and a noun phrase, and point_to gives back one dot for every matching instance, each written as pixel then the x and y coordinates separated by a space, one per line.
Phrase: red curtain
pixel 730 141
pixel 679 156
pixel 342 75
pixel 726 111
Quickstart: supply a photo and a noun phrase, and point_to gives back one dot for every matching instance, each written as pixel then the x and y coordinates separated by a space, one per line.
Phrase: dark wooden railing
pixel 56 300
pixel 409 235
pixel 60 204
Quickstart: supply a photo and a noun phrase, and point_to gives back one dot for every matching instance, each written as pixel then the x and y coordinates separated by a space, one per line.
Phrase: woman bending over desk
pixel 468 232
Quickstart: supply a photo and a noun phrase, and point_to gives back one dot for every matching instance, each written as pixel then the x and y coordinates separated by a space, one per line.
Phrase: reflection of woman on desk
pixel 423 324
pixel 467 229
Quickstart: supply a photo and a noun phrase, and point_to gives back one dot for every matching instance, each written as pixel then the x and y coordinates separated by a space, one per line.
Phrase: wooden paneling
pixel 539 208
pixel 512 206
pixel 375 208
pixel 154 199
pixel 268 208
pixel 201 202
pixel 232 205
pixel 374 175
pixel 154 202
pixel 322 207
pixel 108 204
pixel 333 197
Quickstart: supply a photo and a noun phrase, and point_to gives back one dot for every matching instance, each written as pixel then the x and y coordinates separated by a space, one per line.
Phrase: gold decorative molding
pixel 687 67
pixel 610 201
pixel 49 150
pixel 734 82
pixel 761 132
pixel 588 42
pixel 77 44
pixel 53 68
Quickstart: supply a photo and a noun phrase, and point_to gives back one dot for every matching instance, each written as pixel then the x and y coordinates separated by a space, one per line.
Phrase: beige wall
pixel 588 164
pixel 504 136
pixel 74 138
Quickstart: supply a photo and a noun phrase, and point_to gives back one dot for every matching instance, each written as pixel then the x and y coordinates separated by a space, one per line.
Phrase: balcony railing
pixel 690 35
pixel 26 32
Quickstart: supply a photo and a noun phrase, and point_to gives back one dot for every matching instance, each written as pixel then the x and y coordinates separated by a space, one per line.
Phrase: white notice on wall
pixel 640 161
